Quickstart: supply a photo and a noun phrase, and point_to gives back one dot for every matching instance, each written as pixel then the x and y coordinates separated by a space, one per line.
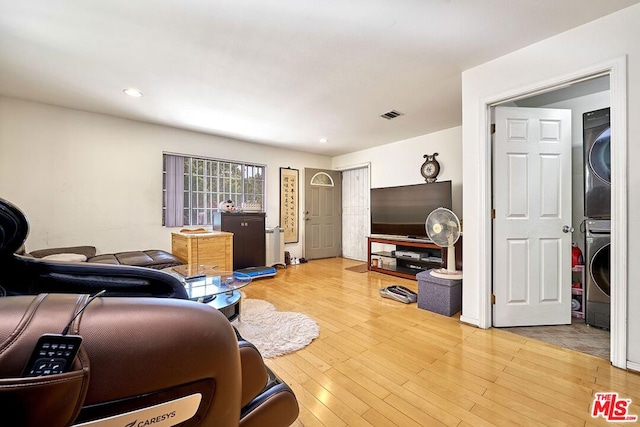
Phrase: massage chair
pixel 147 356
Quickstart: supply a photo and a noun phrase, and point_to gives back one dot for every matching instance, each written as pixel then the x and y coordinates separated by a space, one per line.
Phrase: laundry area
pixel 591 218
pixel 597 212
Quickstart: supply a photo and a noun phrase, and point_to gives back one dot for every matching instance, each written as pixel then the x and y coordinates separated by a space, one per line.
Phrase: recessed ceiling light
pixel 323 140
pixel 135 93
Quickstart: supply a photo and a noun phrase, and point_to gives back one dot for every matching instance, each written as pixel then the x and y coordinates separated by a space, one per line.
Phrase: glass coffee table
pixel 216 288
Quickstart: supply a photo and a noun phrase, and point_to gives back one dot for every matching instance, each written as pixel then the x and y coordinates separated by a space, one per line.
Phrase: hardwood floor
pixel 380 362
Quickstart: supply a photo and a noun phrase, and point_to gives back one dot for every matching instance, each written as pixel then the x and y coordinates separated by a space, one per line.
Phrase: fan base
pixel 443 273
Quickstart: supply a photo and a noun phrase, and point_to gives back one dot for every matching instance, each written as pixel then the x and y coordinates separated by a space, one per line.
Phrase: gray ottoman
pixel 442 296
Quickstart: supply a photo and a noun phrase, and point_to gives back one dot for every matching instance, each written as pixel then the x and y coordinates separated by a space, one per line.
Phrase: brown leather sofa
pixel 31 274
pixel 150 258
pixel 181 358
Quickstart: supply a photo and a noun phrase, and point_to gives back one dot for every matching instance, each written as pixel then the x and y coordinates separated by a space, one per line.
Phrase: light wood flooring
pixel 380 362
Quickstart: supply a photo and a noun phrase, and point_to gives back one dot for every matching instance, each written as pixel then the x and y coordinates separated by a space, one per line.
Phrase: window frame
pixel 205 183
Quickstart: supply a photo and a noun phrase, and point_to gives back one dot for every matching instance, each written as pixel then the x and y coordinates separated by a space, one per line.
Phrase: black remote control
pixel 53 354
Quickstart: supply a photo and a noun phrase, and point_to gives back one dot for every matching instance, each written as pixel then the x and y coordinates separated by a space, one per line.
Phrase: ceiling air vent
pixel 391 114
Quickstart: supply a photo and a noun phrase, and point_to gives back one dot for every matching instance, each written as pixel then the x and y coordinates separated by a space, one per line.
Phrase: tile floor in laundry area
pixel 578 336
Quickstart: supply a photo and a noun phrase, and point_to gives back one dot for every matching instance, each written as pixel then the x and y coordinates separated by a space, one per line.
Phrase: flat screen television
pixel 403 210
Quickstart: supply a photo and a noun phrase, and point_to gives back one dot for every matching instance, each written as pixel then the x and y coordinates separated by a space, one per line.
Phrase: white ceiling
pixel 279 72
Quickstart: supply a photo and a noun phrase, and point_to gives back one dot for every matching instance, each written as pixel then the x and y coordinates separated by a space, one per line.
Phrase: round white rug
pixel 273 332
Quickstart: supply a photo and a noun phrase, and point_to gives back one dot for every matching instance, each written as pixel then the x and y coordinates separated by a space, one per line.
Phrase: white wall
pixel 399 163
pixel 85 178
pixel 586 46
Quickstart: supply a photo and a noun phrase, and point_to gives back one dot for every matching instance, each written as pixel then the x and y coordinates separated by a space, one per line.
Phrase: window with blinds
pixel 193 188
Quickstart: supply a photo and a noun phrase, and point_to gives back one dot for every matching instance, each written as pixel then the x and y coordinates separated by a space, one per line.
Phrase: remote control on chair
pixel 53 354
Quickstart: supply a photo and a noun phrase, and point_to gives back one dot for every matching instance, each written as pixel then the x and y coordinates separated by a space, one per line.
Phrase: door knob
pixel 567 229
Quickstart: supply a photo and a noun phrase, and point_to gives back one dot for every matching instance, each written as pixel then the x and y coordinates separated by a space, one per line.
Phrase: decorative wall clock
pixel 430 168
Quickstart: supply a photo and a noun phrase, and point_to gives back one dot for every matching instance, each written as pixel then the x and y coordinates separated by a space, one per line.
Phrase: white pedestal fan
pixel 443 228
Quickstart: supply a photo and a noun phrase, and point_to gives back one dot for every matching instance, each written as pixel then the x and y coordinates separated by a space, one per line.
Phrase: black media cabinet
pixel 423 255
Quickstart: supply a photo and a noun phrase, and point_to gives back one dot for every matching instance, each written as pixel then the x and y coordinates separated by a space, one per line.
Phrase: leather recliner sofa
pixel 25 274
pixel 150 258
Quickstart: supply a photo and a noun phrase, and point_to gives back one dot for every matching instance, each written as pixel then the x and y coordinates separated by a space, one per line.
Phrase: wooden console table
pixel 215 247
pixel 426 255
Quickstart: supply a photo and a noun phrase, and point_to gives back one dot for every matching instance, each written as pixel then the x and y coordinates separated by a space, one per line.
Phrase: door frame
pixel 616 69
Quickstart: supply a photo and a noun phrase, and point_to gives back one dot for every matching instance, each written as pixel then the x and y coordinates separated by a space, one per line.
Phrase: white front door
pixel 531 229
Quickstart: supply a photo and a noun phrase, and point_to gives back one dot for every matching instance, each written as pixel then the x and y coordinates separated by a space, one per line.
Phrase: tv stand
pixel 411 255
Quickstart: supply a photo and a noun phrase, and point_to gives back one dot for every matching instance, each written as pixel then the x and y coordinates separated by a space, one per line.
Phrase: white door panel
pixel 518 196
pixel 355 213
pixel 532 202
pixel 550 271
pixel 518 277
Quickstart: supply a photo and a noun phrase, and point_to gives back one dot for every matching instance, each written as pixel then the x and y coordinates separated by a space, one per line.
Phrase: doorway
pixel 582 97
pixel 353 212
pixel 322 207
pixel 616 70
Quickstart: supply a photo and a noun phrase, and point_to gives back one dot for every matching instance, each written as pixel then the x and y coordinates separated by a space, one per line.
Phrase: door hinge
pixel 493 128
pixel 493 214
pixel 493 299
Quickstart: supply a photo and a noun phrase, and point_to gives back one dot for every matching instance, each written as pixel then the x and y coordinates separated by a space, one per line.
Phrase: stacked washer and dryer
pixel 597 207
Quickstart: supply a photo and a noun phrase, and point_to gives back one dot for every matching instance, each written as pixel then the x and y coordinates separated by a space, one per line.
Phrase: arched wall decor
pixel 322 179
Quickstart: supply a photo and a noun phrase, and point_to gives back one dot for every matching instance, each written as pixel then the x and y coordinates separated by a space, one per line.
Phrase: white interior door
pixel 355 213
pixel 531 229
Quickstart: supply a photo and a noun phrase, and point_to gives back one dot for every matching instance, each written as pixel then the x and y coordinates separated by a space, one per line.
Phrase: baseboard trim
pixel 632 366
